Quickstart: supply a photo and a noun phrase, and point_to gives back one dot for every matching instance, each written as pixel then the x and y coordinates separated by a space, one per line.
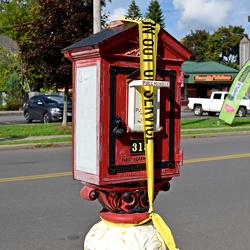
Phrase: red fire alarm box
pixel 108 146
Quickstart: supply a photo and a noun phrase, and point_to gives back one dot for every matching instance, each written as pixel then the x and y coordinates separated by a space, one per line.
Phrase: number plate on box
pixel 137 146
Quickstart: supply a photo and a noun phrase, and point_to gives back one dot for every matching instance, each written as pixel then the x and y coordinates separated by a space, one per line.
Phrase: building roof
pixel 122 38
pixel 191 69
pixel 206 67
pixel 99 37
pixel 244 40
pixel 8 43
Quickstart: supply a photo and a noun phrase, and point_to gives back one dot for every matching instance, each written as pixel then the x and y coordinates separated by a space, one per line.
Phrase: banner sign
pixel 236 93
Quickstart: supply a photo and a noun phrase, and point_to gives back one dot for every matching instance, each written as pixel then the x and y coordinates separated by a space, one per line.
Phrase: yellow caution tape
pixel 148 39
pixel 164 231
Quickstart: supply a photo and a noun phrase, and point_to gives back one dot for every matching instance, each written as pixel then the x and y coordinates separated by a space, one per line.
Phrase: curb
pixel 69 144
pixel 17 112
pixel 212 135
pixel 36 145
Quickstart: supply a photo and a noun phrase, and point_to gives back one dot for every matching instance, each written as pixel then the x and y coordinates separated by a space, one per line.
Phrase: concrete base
pixel 105 237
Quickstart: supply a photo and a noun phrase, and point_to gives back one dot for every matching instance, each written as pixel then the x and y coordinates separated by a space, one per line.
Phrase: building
pixel 244 51
pixel 201 78
pixel 7 42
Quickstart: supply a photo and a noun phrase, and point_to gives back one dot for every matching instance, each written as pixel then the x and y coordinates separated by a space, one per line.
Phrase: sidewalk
pixel 37 144
pixel 11 112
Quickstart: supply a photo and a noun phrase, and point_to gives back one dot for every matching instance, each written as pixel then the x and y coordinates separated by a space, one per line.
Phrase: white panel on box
pixel 135 121
pixel 85 133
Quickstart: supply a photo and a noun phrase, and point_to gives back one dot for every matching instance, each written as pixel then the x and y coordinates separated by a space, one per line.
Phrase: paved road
pixel 190 114
pixel 17 118
pixel 11 118
pixel 41 213
pixel 207 207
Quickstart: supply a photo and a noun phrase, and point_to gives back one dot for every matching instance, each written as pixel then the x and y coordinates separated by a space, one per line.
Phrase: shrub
pixel 13 89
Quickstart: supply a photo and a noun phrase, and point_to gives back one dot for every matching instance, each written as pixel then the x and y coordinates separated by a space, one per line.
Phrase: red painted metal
pixel 115 58
pixel 129 202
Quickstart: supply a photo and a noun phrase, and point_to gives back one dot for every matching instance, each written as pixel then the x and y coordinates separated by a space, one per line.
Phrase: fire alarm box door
pixel 126 142
pixel 135 119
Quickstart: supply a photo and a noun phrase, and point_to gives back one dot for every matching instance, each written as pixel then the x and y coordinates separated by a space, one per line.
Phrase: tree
pixel 15 15
pixel 133 10
pixel 224 45
pixel 12 78
pixel 155 13
pixel 58 24
pixel 19 20
pixel 196 42
pixel 221 46
pixel 5 62
pixel 9 63
pixel 42 29
pixel 13 89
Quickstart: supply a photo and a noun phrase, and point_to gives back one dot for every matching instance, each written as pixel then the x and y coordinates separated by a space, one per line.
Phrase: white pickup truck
pixel 213 104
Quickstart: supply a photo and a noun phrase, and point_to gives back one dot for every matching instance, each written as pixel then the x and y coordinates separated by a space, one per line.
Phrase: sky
pixel 182 16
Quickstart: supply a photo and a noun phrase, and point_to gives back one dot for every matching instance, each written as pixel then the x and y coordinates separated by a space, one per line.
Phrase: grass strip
pixel 15 131
pixel 196 123
pixel 46 141
pixel 10 134
pixel 214 131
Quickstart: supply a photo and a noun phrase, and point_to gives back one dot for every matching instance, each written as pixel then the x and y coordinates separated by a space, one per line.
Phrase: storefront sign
pixel 213 78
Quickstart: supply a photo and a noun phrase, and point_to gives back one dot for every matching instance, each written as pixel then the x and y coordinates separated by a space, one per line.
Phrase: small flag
pixel 236 93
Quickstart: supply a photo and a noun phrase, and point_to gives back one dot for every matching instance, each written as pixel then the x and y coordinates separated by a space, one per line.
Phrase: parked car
pixel 46 108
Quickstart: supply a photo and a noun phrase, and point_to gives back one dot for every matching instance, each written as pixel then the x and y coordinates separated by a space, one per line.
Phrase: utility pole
pixel 96 16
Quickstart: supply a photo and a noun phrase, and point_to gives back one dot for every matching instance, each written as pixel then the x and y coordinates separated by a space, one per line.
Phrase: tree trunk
pixel 96 16
pixel 65 106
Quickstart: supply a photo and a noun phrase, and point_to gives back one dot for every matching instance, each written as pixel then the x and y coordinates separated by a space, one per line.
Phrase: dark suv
pixel 46 108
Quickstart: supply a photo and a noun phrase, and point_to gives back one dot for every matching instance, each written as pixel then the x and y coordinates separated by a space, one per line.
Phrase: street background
pixel 16 117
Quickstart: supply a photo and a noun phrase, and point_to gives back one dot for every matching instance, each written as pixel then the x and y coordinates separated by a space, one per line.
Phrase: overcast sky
pixel 182 16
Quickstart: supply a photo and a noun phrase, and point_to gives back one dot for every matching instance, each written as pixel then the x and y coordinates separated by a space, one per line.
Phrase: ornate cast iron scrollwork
pixel 122 200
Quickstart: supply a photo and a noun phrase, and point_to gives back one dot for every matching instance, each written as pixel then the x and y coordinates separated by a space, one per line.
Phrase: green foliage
pixel 46 90
pixel 15 16
pixel 212 123
pixel 225 43
pixel 221 46
pixel 13 131
pixel 155 13
pixel 2 107
pixel 13 89
pixel 57 25
pixel 133 10
pixel 196 42
pixel 4 67
pixel 9 63
pixel 42 28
